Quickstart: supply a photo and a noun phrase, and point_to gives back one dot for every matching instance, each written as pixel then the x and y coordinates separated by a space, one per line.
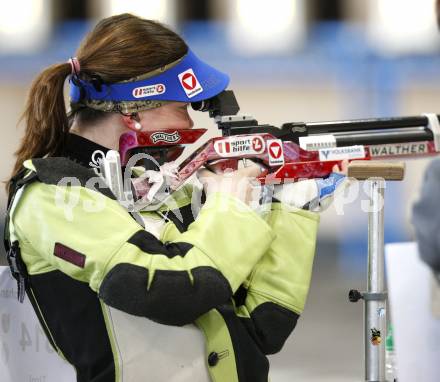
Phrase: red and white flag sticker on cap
pixel 275 152
pixel 240 145
pixel 190 83
pixel 148 91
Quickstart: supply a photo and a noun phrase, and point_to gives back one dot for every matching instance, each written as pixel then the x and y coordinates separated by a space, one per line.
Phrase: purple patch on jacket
pixel 69 255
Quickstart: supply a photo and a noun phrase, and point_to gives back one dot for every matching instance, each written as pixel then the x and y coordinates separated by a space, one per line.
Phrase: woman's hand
pixel 343 169
pixel 240 184
pixel 314 193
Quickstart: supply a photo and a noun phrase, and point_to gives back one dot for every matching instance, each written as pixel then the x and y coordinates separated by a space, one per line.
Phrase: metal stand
pixel 375 303
pixel 375 298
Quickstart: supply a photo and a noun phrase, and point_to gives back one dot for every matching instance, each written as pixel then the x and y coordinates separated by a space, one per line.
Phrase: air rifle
pixel 290 152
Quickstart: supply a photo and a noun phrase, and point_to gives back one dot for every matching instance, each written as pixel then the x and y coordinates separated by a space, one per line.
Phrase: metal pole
pixel 375 297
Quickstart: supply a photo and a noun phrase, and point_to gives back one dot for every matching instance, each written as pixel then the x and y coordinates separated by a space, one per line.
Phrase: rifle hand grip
pixel 363 170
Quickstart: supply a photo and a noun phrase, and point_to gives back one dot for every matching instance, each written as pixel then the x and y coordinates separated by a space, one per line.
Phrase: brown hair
pixel 437 9
pixel 118 48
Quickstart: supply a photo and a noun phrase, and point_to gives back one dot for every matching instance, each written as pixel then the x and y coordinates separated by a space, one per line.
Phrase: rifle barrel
pixel 366 124
pixel 383 136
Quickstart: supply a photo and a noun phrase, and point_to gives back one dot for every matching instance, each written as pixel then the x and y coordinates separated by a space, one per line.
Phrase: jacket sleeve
pixel 277 288
pixel 426 217
pixel 93 239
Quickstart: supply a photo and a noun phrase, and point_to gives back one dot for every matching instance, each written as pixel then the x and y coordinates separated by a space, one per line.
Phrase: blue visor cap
pixel 190 80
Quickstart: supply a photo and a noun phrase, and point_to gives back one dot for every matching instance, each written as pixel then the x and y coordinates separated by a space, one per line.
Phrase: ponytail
pixel 45 117
pixel 437 12
pixel 118 48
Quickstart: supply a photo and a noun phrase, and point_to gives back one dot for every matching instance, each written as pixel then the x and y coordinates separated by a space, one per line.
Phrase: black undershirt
pixel 80 149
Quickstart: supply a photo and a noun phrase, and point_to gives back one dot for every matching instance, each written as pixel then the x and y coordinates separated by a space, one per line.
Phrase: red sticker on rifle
pixel 257 144
pixel 275 152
